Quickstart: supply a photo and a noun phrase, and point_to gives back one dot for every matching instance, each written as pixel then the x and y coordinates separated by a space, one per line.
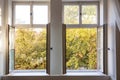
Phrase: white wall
pixel 111 41
pixel 5 20
pixel 56 37
pixel 2 53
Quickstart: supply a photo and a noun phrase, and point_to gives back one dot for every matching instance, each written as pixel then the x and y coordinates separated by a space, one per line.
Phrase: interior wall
pixel 111 42
pixel 6 19
pixel 2 53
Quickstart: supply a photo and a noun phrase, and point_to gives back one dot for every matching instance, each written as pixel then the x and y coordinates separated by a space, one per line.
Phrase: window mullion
pixel 31 14
pixel 80 14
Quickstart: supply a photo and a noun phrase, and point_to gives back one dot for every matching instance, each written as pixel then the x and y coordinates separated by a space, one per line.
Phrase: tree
pixel 81 48
pixel 30 49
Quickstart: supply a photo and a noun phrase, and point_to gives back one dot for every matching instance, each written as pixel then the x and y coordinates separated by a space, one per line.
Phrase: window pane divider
pixel 81 26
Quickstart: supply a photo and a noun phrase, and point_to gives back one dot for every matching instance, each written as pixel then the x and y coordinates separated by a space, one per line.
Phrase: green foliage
pixel 81 49
pixel 71 14
pixel 30 49
pixel 89 14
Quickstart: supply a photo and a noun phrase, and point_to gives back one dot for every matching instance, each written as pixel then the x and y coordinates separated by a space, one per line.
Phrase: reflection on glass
pixel 30 49
pixel 81 49
pixel 71 14
pixel 40 14
pixel 89 14
pixel 22 14
pixel 100 48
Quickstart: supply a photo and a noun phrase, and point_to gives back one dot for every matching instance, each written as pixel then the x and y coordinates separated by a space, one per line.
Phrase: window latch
pixel 51 48
pixel 31 13
pixel 80 14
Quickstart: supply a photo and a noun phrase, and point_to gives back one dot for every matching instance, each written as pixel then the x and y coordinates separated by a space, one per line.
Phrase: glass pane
pixel 22 14
pixel 100 48
pixel 11 48
pixel 71 14
pixel 0 17
pixel 89 14
pixel 30 49
pixel 81 49
pixel 40 14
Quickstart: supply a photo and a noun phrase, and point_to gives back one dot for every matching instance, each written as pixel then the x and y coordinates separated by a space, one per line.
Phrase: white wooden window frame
pixel 80 3
pixel 31 3
pixel 31 25
pixel 80 25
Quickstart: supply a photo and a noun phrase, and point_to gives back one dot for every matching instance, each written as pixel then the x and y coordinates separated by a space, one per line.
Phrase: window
pixel 40 14
pixel 22 14
pixel 28 38
pixel 71 14
pixel 29 14
pixel 30 48
pixel 83 37
pixel 81 14
pixel 81 49
pixel 89 14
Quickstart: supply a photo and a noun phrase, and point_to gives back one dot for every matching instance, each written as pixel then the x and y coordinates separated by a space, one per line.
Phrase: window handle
pixel 108 48
pixel 80 14
pixel 51 48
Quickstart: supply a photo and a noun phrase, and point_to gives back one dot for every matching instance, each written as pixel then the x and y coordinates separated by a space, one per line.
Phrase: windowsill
pixel 43 73
pixel 84 73
pixel 28 73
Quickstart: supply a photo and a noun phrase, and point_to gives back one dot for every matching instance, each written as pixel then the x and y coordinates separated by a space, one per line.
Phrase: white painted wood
pixel 111 41
pixel 56 37
pixel 2 52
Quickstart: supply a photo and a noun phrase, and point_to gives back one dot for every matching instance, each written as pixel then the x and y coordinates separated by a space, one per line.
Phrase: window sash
pixel 11 60
pixel 102 66
pixel 31 3
pixel 80 3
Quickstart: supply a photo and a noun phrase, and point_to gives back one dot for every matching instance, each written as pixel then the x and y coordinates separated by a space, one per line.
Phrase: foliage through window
pixel 30 49
pixel 71 14
pixel 89 14
pixel 80 14
pixel 81 49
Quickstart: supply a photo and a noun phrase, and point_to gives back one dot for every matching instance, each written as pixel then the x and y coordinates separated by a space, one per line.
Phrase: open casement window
pixel 84 41
pixel 85 49
pixel 102 48
pixel 28 49
pixel 11 48
pixel 29 38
